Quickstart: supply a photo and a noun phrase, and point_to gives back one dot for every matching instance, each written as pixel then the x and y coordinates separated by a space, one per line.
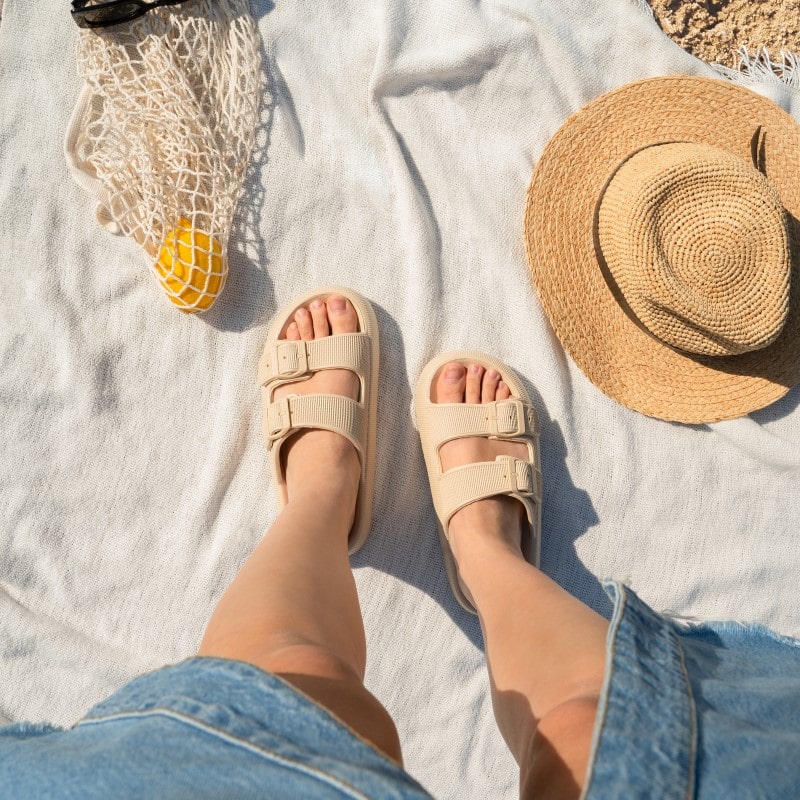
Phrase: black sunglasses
pixel 101 15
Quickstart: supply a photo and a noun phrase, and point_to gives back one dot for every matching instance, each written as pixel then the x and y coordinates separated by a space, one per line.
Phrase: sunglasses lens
pixel 116 13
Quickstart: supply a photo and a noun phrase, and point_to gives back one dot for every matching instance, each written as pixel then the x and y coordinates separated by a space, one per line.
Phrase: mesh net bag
pixel 163 132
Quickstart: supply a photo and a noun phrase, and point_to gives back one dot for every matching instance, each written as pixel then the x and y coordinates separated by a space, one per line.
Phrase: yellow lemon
pixel 191 267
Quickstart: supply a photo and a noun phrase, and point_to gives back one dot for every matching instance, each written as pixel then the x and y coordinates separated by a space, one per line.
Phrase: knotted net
pixel 163 132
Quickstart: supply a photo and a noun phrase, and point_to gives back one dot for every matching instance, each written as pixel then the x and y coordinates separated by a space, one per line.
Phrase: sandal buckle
pixel 290 358
pixel 519 476
pixel 279 419
pixel 507 418
pixel 524 478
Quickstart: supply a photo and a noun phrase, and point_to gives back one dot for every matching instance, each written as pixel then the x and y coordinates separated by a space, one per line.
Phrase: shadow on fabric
pixel 404 541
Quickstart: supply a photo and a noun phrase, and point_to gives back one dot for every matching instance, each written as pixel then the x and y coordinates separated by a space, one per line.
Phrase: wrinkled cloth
pixel 394 150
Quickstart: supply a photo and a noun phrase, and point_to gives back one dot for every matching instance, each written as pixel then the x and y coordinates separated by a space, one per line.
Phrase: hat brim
pixel 614 351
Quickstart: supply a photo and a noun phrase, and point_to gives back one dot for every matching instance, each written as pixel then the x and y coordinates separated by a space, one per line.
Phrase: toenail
pixel 453 372
pixel 473 368
pixel 501 385
pixel 316 303
pixel 337 304
pixel 492 373
pixel 302 312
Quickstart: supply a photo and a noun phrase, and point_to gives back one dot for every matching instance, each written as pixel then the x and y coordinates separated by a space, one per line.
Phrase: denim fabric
pixel 708 710
pixel 206 728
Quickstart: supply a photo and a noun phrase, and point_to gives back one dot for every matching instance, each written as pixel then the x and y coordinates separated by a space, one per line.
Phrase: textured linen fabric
pixel 395 148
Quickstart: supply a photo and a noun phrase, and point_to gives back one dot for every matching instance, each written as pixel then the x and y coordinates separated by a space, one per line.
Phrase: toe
pixel 491 378
pixel 341 315
pixel 304 323
pixel 503 392
pixel 292 332
pixel 474 380
pixel 319 317
pixel 449 386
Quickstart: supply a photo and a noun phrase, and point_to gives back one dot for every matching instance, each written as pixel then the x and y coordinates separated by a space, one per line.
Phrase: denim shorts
pixel 707 711
pixel 205 728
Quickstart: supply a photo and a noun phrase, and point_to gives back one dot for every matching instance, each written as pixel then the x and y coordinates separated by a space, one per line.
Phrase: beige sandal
pixel 513 419
pixel 285 361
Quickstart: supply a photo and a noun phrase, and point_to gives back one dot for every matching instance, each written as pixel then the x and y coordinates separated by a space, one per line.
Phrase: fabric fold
pixel 639 752
pixel 705 710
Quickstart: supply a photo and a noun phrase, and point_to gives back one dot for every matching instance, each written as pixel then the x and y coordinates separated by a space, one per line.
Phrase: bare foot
pixel 500 518
pixel 321 465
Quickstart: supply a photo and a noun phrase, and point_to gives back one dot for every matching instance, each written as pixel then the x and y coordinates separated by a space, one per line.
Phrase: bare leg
pixel 293 608
pixel 545 649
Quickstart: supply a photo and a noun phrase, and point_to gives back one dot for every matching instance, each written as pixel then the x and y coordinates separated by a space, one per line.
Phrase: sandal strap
pixel 505 475
pixel 332 412
pixel 286 361
pixel 501 419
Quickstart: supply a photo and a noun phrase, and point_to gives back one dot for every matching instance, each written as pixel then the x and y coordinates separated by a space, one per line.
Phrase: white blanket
pixel 396 149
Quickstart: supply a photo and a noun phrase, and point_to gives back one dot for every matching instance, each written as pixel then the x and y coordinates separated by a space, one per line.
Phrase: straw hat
pixel 662 234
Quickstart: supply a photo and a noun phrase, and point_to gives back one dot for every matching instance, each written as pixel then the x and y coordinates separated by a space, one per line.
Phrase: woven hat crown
pixel 696 247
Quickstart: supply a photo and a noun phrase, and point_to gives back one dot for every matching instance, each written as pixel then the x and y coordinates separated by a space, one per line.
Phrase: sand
pixel 714 30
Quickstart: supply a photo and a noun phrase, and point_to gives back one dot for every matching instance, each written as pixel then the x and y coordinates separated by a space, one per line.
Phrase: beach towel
pixel 393 150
